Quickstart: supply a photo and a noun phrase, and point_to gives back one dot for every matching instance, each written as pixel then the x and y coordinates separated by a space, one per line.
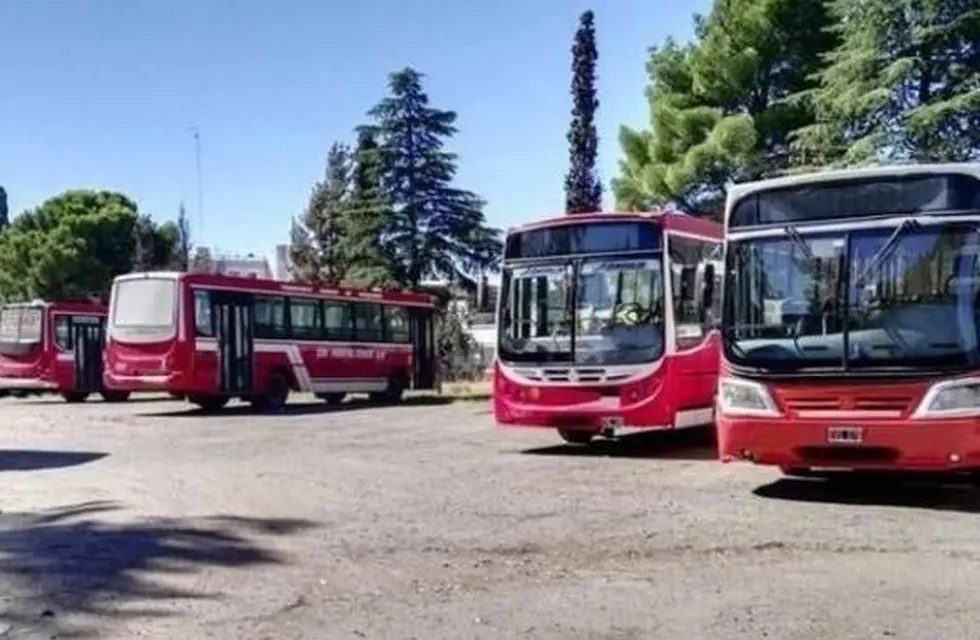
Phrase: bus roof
pixel 263 285
pixel 671 220
pixel 739 191
pixel 79 306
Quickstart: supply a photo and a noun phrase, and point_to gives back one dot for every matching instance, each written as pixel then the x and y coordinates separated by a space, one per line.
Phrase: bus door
pixel 424 356
pixel 234 330
pixel 88 339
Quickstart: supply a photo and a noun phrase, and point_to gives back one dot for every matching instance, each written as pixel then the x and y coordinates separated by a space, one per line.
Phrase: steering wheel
pixel 630 314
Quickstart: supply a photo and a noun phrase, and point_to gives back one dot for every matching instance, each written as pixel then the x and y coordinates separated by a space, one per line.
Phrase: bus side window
pixel 304 319
pixel 270 317
pixel 396 324
pixel 368 325
pixel 686 256
pixel 203 321
pixel 338 322
pixel 62 332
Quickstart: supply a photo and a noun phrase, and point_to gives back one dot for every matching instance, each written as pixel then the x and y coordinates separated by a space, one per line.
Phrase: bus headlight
pixel 951 399
pixel 743 397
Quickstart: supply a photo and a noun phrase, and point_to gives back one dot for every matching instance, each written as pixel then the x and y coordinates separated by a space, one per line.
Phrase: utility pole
pixel 200 183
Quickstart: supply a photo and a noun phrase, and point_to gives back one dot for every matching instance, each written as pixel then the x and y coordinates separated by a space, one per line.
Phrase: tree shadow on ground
pixel 300 408
pixel 34 460
pixel 685 444
pixel 67 561
pixel 934 492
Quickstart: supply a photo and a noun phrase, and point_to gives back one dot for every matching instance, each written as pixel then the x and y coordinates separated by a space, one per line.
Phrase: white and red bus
pixel 606 324
pixel 852 320
pixel 53 347
pixel 212 338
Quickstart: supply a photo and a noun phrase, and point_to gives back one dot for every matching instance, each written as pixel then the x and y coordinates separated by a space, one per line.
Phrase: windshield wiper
pixel 798 240
pixel 886 249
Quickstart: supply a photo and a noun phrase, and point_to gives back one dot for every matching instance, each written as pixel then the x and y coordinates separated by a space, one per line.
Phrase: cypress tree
pixel 583 191
pixel 4 212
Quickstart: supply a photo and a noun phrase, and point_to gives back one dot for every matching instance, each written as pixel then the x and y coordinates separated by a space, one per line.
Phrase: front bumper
pixel 885 444
pixel 27 384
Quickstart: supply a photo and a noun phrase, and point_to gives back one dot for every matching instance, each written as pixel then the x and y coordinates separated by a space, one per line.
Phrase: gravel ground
pixel 422 521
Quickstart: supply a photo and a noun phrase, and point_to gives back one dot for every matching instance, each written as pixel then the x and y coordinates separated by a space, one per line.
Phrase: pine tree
pixel 315 250
pixel 583 191
pixel 721 108
pixel 366 217
pixel 904 84
pixel 435 228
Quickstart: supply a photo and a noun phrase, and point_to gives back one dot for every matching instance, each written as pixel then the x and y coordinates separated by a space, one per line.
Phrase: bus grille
pixel 885 405
pixel 570 374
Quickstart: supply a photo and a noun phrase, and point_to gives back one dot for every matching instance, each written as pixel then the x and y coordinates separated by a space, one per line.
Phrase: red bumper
pixel 117 382
pixel 899 444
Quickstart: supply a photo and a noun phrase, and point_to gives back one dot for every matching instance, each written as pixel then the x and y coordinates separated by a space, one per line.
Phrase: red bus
pixel 212 338
pixel 606 324
pixel 53 347
pixel 852 319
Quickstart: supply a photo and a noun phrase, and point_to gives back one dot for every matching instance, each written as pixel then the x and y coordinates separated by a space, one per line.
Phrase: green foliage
pixel 583 191
pixel 316 253
pixel 904 84
pixel 456 346
pixel 721 107
pixel 74 244
pixel 433 228
pixel 366 217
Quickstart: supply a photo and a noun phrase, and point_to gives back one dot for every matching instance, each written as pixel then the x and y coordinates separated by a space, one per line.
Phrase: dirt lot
pixel 423 521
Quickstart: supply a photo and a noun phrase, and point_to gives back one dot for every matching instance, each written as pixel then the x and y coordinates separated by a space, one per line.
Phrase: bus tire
pixel 392 393
pixel 114 396
pixel 74 396
pixel 332 398
pixel 208 403
pixel 276 393
pixel 576 436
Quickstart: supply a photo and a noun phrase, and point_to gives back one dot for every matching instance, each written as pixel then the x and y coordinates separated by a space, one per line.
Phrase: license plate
pixel 612 423
pixel 845 435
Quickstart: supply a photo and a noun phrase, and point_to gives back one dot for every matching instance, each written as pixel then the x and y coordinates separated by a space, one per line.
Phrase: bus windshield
pixel 905 296
pixel 615 312
pixel 143 309
pixel 20 325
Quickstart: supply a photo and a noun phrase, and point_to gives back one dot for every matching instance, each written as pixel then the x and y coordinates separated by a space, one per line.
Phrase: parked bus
pixel 54 347
pixel 605 324
pixel 212 338
pixel 852 319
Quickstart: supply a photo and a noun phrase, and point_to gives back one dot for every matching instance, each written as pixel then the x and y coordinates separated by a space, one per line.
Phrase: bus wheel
pixel 74 396
pixel 576 436
pixel 276 394
pixel 392 393
pixel 332 398
pixel 208 403
pixel 114 396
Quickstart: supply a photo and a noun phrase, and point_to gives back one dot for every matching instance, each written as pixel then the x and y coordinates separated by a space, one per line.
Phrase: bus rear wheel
pixel 392 393
pixel 114 396
pixel 208 403
pixel 276 394
pixel 576 436
pixel 332 398
pixel 74 396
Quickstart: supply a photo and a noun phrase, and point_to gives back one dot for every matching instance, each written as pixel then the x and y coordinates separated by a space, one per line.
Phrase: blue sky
pixel 101 93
